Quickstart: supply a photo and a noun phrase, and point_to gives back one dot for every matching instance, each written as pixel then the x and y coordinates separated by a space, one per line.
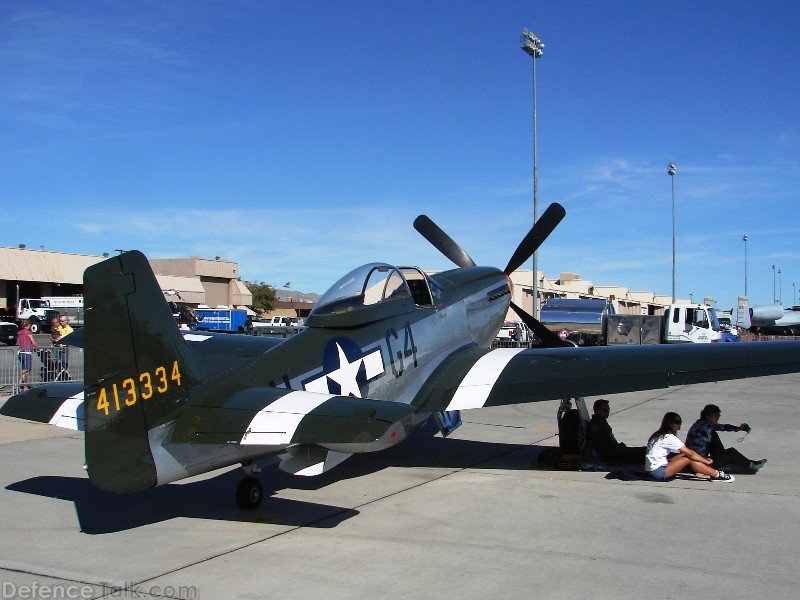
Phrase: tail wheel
pixel 249 493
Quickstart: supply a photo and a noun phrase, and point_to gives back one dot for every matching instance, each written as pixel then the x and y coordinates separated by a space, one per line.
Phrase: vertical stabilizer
pixel 137 370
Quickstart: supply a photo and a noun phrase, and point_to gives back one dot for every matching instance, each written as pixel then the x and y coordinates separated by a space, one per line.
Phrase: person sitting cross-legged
pixel 703 439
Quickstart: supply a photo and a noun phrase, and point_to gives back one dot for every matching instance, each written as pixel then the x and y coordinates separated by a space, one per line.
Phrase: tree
pixel 263 296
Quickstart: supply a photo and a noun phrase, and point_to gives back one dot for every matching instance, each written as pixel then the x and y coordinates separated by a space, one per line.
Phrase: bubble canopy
pixel 365 286
pixel 373 292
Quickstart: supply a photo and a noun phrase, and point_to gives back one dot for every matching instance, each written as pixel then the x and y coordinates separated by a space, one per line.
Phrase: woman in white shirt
pixel 664 442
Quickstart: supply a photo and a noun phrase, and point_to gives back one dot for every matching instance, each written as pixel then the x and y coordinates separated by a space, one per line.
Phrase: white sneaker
pixel 723 476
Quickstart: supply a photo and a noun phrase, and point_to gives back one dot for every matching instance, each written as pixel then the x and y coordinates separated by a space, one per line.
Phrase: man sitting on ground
pixel 600 438
pixel 703 439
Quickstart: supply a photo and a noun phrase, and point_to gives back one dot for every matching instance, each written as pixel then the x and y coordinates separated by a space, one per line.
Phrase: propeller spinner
pixel 543 227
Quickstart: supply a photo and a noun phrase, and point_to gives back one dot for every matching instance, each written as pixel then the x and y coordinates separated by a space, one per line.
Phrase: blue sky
pixel 302 138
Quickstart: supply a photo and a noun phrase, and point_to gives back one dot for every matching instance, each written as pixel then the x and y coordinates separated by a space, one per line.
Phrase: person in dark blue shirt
pixel 600 438
pixel 703 439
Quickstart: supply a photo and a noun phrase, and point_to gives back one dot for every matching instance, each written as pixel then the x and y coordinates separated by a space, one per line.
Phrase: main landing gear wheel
pixel 249 493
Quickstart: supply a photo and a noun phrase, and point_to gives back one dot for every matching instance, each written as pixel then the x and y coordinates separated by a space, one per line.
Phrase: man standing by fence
pixel 60 349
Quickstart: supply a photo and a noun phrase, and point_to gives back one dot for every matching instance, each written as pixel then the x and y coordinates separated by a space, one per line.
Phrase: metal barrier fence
pixel 47 364
pixel 747 336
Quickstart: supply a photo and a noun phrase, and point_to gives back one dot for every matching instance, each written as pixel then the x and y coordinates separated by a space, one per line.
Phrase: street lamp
pixel 533 47
pixel 744 239
pixel 671 170
pixel 774 294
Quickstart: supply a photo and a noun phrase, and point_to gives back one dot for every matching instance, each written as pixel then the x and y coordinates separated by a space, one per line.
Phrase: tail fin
pixel 137 369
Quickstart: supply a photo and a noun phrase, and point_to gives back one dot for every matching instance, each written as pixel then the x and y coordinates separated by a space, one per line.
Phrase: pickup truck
pixel 277 324
pixel 505 337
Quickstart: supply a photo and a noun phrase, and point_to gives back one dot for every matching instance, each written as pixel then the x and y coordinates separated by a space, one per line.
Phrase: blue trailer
pixel 230 320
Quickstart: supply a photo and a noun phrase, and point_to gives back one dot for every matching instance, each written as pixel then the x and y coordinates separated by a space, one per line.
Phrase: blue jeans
pixel 25 360
pixel 660 473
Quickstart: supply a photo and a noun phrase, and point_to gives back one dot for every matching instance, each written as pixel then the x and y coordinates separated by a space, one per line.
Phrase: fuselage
pixel 384 350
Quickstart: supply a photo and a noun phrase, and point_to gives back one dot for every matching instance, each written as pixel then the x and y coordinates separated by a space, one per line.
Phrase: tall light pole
pixel 744 239
pixel 780 288
pixel 671 170
pixel 774 293
pixel 533 47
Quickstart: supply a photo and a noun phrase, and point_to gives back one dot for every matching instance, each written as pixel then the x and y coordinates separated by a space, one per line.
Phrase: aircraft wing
pixel 476 377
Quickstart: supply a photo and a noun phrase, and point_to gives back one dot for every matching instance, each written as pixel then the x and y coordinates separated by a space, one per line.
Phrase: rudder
pixel 137 371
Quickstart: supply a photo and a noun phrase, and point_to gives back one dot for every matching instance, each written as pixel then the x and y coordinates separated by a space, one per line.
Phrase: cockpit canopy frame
pixel 372 292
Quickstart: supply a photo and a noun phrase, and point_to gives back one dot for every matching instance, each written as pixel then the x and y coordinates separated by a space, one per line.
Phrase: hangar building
pixel 27 273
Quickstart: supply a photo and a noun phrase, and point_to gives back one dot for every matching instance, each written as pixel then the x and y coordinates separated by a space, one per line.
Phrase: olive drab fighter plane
pixel 383 350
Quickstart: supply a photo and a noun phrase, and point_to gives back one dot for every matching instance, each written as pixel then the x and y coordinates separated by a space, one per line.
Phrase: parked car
pixel 8 333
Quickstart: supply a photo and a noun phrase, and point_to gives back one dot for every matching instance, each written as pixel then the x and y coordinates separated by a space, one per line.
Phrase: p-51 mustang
pixel 383 350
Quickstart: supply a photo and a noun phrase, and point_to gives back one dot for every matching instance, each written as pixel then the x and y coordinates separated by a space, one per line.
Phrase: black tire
pixel 249 493
pixel 36 327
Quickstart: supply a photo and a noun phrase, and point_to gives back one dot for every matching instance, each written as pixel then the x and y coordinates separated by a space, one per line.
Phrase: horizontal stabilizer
pixel 74 339
pixel 276 416
pixel 59 404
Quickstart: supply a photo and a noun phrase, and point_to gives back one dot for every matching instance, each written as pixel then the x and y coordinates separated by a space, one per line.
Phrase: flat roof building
pixel 28 273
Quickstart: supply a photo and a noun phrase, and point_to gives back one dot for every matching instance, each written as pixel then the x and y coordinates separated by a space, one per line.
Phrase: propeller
pixel 543 227
pixel 442 242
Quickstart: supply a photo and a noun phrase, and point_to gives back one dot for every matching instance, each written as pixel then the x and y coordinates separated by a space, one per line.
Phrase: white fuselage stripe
pixel 474 389
pixel 276 424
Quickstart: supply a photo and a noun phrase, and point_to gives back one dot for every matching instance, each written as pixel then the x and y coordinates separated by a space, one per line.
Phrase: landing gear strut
pixel 583 419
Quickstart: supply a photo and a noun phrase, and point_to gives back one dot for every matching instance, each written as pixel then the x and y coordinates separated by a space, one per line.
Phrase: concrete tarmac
pixel 463 517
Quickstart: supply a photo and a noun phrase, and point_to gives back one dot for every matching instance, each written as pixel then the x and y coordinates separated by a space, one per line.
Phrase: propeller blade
pixel 547 337
pixel 538 234
pixel 443 242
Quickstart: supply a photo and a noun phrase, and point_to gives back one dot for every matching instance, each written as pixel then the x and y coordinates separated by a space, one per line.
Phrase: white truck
pixel 692 323
pixel 681 323
pixel 277 324
pixel 505 337
pixel 41 311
